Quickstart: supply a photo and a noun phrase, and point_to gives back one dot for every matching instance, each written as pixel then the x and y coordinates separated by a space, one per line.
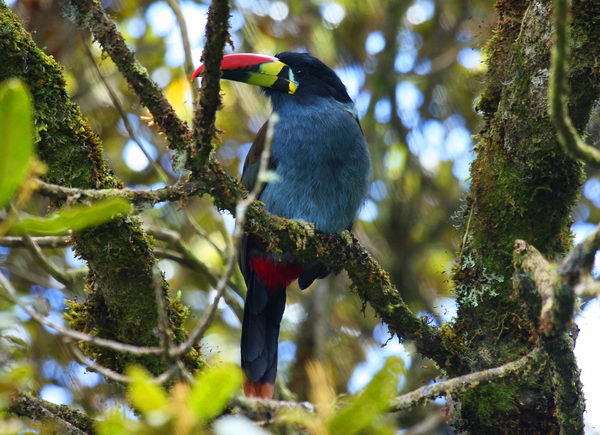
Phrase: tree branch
pixel 266 410
pixel 68 420
pixel 463 383
pixel 217 34
pixel 49 242
pixel 141 198
pixel 558 303
pixel 558 91
pixel 91 15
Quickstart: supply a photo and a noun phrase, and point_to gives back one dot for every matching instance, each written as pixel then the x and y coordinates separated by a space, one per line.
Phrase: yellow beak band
pixel 274 74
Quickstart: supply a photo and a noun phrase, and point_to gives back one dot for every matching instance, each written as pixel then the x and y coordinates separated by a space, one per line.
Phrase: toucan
pixel 322 166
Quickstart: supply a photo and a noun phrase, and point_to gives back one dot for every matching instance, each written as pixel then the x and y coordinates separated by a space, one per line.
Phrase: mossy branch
pixel 460 384
pixel 217 34
pixel 140 198
pixel 558 91
pixel 370 281
pixel 66 420
pixel 523 186
pixel 90 14
pixel 557 307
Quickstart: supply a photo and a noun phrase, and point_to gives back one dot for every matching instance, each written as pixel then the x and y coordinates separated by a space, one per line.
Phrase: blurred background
pixel 414 70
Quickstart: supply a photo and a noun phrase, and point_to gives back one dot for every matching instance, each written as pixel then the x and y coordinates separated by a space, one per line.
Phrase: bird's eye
pixel 299 72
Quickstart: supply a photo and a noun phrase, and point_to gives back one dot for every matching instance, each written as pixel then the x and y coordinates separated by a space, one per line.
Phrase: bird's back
pixel 321 159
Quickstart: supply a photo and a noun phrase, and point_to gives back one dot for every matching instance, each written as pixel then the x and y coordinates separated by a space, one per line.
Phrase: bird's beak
pixel 256 69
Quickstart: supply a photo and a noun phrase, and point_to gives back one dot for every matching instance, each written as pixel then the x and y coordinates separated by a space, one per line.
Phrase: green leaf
pixel 115 423
pixel 213 389
pixel 366 408
pixel 15 340
pixel 75 218
pixel 143 394
pixel 16 133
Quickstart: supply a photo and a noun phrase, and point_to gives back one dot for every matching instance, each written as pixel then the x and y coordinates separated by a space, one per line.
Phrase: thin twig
pixel 461 384
pixel 60 275
pixel 241 210
pixel 122 113
pixel 11 294
pixel 200 231
pixel 48 242
pixel 104 371
pixel 116 376
pixel 185 40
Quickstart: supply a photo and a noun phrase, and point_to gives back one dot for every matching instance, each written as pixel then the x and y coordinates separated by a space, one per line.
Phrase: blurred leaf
pixel 114 424
pixel 213 389
pixel 75 218
pixel 15 340
pixel 16 131
pixel 12 426
pixel 142 393
pixel 19 376
pixel 366 407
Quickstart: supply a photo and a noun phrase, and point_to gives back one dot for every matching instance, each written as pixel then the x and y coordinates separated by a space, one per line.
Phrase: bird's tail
pixel 260 333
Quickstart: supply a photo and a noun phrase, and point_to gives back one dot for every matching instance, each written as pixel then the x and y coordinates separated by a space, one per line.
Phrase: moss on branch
pixel 557 301
pixel 65 419
pixel 90 14
pixel 217 34
pixel 523 187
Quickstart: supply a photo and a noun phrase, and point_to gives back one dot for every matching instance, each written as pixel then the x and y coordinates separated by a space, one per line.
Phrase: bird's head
pixel 298 75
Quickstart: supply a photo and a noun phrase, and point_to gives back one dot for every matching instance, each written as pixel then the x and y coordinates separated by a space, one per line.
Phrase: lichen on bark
pixel 523 187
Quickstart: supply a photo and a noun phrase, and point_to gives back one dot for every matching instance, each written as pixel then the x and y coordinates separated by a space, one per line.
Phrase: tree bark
pixel 523 187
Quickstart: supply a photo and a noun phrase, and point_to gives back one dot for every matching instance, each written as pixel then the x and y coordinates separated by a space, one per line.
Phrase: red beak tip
pixel 238 60
pixel 197 73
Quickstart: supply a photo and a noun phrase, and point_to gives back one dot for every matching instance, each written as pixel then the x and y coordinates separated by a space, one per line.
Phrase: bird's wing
pixel 351 109
pixel 252 162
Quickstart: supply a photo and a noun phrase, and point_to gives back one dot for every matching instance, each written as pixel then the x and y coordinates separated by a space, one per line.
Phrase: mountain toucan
pixel 321 160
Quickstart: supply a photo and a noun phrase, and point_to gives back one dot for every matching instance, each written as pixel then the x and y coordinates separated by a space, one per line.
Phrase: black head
pixel 313 77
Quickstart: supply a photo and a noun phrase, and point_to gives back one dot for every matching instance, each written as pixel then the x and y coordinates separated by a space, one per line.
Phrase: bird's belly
pixel 327 196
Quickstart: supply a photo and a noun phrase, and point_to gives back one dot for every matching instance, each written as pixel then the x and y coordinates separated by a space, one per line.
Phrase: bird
pixel 322 169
